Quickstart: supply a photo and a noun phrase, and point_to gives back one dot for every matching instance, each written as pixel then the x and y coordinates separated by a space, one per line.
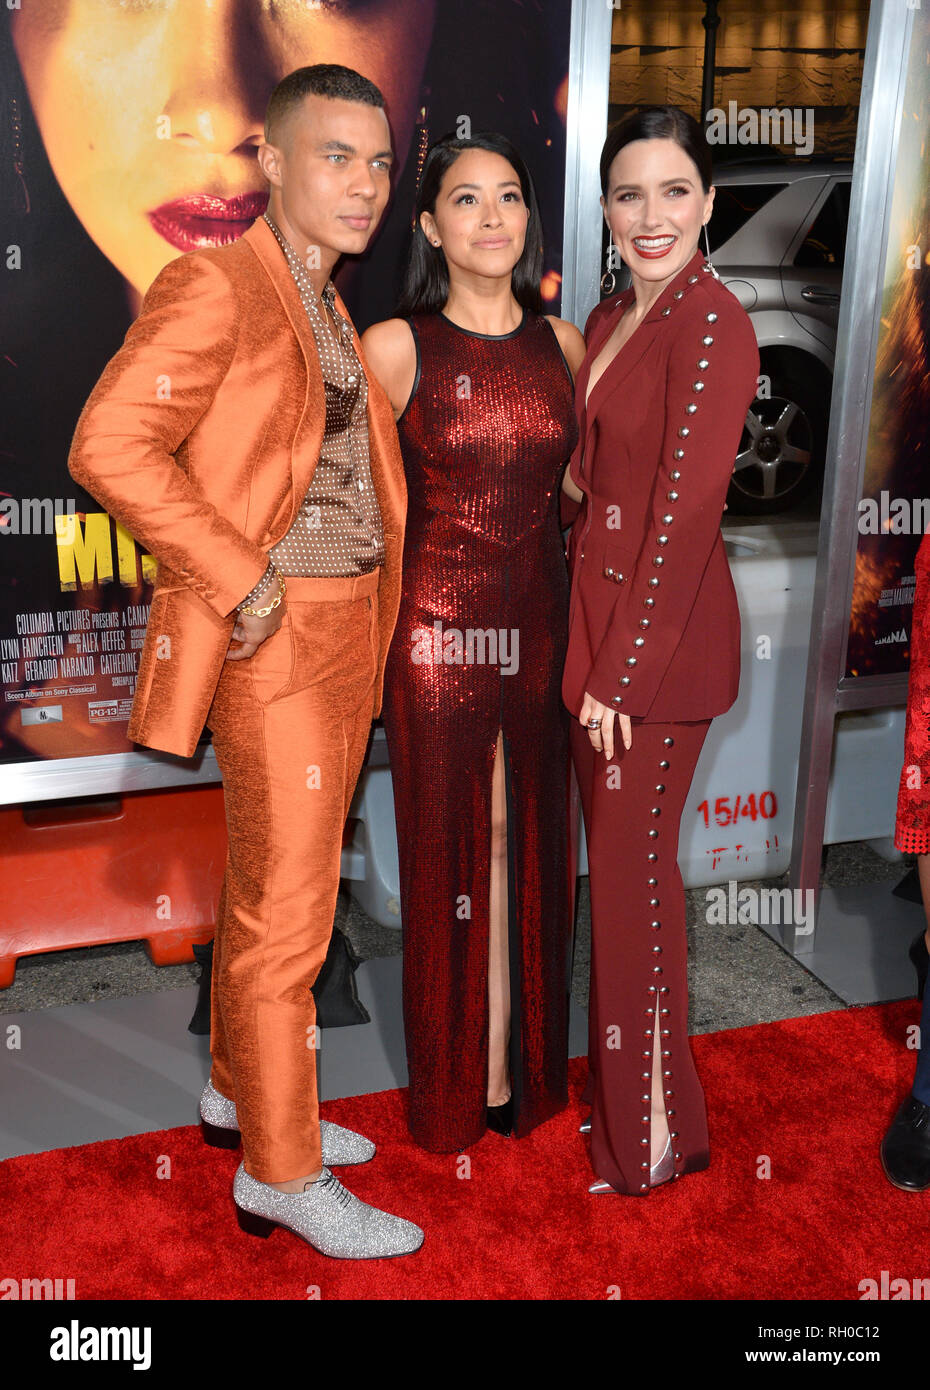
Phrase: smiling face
pixel 330 177
pixel 480 216
pixel 654 207
pixel 151 113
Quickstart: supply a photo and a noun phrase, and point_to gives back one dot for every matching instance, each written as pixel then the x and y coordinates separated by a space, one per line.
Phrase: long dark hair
pixel 658 123
pixel 426 279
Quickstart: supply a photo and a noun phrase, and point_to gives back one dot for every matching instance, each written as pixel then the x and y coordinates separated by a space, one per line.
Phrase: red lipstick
pixel 202 219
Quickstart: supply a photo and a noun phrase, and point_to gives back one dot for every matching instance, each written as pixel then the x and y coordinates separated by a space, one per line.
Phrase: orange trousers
pixel 290 727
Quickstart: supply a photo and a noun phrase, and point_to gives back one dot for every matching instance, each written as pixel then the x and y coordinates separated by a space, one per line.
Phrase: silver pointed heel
pixel 659 1172
pixel 585 1126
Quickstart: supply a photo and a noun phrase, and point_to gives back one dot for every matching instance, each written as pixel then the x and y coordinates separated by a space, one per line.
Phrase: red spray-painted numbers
pixel 725 814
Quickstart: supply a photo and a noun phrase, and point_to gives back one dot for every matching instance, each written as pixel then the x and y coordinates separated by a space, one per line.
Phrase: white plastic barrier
pixel 738 819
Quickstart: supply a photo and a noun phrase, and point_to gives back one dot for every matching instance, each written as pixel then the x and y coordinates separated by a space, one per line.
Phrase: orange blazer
pixel 201 437
pixel 654 622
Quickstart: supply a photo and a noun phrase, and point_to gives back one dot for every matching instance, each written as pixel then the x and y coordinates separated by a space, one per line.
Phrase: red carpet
pixel 814 1095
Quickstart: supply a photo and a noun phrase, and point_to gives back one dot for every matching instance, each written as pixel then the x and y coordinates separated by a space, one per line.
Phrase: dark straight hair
pixel 658 123
pixel 426 279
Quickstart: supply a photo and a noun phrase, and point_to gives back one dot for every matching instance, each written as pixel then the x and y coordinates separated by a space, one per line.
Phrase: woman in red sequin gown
pixel 481 384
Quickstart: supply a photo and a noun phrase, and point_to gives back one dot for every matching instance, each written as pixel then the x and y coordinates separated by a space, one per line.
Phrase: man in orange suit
pixel 237 435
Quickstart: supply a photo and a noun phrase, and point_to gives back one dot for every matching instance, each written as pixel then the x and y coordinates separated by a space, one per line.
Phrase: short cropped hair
pixel 321 80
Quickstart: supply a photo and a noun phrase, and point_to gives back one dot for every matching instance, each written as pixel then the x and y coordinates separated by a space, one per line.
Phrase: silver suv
pixel 777 240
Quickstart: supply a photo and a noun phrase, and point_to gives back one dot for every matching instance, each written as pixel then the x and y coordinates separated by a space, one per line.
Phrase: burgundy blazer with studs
pixel 654 622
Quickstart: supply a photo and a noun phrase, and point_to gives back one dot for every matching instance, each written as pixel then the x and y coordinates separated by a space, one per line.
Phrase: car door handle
pixel 819 294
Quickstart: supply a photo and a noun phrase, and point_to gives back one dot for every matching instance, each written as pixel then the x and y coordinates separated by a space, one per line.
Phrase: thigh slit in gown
pixel 478 649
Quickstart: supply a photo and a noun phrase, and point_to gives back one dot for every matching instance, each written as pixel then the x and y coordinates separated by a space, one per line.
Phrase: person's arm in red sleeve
pixel 693 475
pixel 149 398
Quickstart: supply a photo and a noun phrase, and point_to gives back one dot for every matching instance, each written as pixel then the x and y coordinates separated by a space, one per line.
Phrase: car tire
pixel 771 473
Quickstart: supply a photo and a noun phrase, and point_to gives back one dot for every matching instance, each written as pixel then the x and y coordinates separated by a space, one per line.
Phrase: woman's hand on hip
pixel 602 738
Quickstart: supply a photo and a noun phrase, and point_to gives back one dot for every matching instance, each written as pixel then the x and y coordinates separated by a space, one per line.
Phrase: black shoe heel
pixel 500 1117
pixel 253 1224
pixel 219 1138
pixel 920 960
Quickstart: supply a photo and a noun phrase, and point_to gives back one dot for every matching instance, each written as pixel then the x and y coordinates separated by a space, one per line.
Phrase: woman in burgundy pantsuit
pixel 481 382
pixel 669 374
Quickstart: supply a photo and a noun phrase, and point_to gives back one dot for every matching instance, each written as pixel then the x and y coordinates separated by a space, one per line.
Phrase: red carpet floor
pixel 813 1095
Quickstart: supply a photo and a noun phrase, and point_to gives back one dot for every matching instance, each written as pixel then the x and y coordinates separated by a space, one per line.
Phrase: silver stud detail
pixel 692 279
pixel 664 765
pixel 653 902
pixel 658 561
pixel 653 834
pixel 657 950
pixel 711 318
pixel 624 680
pixel 697 385
pixel 707 341
pixel 649 603
pixel 644 622
pixel 669 742
pixel 678 294
pixel 631 661
pixel 675 475
pixel 666 311
pixel 661 540
pixel 655 811
pixel 660 788
pixel 667 519
pixel 639 641
pixel 652 882
pixel 672 496
pixel 617 700
pixel 703 364
pixel 683 431
pixel 651 859
pixel 654 926
pixel 690 408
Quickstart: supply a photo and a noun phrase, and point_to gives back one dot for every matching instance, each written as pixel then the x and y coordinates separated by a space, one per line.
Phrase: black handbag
pixel 334 991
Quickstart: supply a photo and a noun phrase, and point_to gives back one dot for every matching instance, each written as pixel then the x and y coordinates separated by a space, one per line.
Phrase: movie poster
pixel 894 510
pixel 128 137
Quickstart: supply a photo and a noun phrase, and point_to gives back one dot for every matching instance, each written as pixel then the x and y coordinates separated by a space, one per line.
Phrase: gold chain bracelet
pixel 263 612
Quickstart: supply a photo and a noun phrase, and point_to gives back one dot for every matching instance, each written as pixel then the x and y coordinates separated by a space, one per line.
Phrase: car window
pixel 825 243
pixel 734 204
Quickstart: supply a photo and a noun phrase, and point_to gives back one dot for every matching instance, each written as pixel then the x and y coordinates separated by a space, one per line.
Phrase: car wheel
pixel 781 452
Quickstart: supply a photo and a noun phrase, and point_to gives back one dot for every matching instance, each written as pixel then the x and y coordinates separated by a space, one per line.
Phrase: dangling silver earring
pixel 22 192
pixel 606 290
pixel 422 141
pixel 708 265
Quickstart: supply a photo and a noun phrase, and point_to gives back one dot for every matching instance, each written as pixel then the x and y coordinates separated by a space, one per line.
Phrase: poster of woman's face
pixel 891 516
pixel 128 136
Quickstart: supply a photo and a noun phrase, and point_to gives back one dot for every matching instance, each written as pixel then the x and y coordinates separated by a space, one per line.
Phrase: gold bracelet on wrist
pixel 263 612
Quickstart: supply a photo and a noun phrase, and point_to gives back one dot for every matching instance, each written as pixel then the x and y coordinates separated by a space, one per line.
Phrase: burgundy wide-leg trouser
pixel 632 811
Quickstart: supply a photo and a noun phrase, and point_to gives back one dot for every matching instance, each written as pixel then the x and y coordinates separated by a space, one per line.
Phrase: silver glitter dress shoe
pixel 220 1129
pixel 659 1172
pixel 326 1215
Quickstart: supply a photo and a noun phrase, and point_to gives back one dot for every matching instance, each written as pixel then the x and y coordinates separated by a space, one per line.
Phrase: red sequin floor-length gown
pixel 484 438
